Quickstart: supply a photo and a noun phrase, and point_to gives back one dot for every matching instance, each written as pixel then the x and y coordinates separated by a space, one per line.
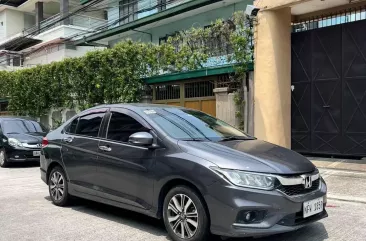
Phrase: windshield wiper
pixel 193 139
pixel 12 133
pixel 235 138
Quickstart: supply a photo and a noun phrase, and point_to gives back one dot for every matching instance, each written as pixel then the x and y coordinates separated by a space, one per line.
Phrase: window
pixel 167 92
pixel 121 126
pixel 71 128
pixel 89 125
pixel 190 125
pixel 127 11
pixel 23 126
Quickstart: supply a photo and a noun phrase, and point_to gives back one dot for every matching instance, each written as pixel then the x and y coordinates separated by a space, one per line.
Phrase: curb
pixel 346 199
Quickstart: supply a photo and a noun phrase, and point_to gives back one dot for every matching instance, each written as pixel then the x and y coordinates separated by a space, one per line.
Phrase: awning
pixel 19 43
pixel 13 3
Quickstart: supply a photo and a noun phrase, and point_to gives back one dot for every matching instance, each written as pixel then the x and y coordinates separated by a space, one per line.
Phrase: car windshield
pixel 22 126
pixel 185 124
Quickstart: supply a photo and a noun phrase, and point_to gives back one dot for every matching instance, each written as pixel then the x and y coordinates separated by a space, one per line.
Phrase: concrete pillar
pixel 64 11
pixel 39 14
pixel 272 83
pixel 225 106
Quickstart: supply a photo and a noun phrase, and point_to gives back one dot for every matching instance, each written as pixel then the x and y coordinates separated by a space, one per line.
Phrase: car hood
pixel 30 138
pixel 250 155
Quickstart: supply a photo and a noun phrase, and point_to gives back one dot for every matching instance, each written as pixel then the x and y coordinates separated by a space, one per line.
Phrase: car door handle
pixel 105 148
pixel 68 139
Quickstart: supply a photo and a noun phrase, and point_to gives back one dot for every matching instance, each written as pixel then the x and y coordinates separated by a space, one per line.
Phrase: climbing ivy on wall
pixel 116 74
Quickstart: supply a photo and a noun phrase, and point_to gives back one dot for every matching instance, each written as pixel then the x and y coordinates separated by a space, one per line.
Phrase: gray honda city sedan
pixel 197 173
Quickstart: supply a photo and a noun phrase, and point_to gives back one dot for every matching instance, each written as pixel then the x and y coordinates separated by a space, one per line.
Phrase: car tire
pixel 58 188
pixel 193 219
pixel 3 159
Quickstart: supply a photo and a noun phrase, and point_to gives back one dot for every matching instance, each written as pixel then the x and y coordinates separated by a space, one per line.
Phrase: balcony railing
pixel 83 21
pixel 127 11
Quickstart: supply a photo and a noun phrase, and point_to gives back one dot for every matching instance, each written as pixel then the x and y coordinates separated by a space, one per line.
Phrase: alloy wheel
pixel 57 186
pixel 182 216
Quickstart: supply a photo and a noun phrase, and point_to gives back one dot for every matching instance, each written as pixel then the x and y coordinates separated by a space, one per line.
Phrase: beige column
pixel 272 78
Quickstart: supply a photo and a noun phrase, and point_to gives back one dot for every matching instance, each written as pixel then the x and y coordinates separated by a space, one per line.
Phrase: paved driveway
pixel 26 213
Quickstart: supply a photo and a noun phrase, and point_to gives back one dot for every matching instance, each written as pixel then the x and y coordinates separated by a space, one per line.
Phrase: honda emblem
pixel 308 182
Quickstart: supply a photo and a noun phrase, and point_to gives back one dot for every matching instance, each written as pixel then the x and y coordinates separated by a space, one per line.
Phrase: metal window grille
pixel 199 89
pixel 341 17
pixel 167 92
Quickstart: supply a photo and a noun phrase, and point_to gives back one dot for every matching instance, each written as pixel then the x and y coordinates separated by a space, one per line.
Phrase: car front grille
pixel 299 189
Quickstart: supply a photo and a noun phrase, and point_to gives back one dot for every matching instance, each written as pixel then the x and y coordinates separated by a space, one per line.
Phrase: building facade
pixel 153 21
pixel 35 32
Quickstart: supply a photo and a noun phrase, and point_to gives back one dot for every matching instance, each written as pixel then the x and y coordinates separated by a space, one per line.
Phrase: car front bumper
pixel 21 155
pixel 283 213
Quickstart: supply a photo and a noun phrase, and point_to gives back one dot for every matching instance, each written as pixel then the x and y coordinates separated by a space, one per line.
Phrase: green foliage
pixel 116 75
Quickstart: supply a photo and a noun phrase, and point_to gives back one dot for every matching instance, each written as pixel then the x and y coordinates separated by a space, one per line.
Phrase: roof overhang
pixel 19 43
pixel 226 69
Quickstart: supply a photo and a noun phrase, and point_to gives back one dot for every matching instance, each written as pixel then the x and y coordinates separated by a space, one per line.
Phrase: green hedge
pixel 116 75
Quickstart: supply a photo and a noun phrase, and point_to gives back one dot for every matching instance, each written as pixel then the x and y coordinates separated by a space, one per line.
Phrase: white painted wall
pixel 29 20
pixel 62 31
pixel 14 21
pixel 46 56
pixel 2 25
pixel 80 51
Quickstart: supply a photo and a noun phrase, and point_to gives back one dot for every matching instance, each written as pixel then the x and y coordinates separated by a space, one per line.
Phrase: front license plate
pixel 36 153
pixel 313 207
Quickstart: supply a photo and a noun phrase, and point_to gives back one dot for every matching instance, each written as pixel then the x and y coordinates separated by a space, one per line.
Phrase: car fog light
pixel 251 216
pixel 16 156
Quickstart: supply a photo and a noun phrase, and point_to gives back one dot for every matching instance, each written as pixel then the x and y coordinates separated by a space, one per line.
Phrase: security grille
pixel 167 92
pixel 199 89
pixel 322 21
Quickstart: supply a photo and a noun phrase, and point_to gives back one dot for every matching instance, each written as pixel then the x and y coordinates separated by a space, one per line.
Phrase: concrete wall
pixel 45 56
pixel 14 22
pixel 225 106
pixel 2 25
pixel 56 116
pixel 56 53
pixel 272 84
pixel 29 20
pixel 200 20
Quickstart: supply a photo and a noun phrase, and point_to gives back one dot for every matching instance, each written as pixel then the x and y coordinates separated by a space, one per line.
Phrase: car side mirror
pixel 141 139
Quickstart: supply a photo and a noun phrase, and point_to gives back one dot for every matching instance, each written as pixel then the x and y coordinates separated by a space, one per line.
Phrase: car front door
pixel 124 170
pixel 80 149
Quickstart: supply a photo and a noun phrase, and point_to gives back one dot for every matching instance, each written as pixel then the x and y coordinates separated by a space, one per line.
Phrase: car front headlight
pixel 247 179
pixel 14 142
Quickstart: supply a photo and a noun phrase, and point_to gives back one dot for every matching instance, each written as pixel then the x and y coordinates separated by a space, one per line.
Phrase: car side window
pixel 121 126
pixel 89 125
pixel 71 128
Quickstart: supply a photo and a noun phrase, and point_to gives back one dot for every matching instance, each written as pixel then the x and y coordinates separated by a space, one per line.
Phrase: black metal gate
pixel 328 99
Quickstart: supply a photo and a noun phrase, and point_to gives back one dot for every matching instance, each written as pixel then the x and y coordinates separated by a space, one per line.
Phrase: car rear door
pixel 124 170
pixel 80 148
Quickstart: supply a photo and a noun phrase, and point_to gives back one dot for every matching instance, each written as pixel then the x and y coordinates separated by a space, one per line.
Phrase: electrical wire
pixel 125 17
pixel 23 39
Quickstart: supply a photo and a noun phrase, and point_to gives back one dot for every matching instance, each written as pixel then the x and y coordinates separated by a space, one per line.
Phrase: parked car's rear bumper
pixel 283 213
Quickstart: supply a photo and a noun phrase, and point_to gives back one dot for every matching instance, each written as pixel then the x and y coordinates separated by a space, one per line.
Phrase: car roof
pixel 16 118
pixel 137 106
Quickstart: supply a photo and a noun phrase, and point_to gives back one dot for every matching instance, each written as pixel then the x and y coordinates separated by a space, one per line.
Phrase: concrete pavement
pixel 26 213
pixel 346 178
